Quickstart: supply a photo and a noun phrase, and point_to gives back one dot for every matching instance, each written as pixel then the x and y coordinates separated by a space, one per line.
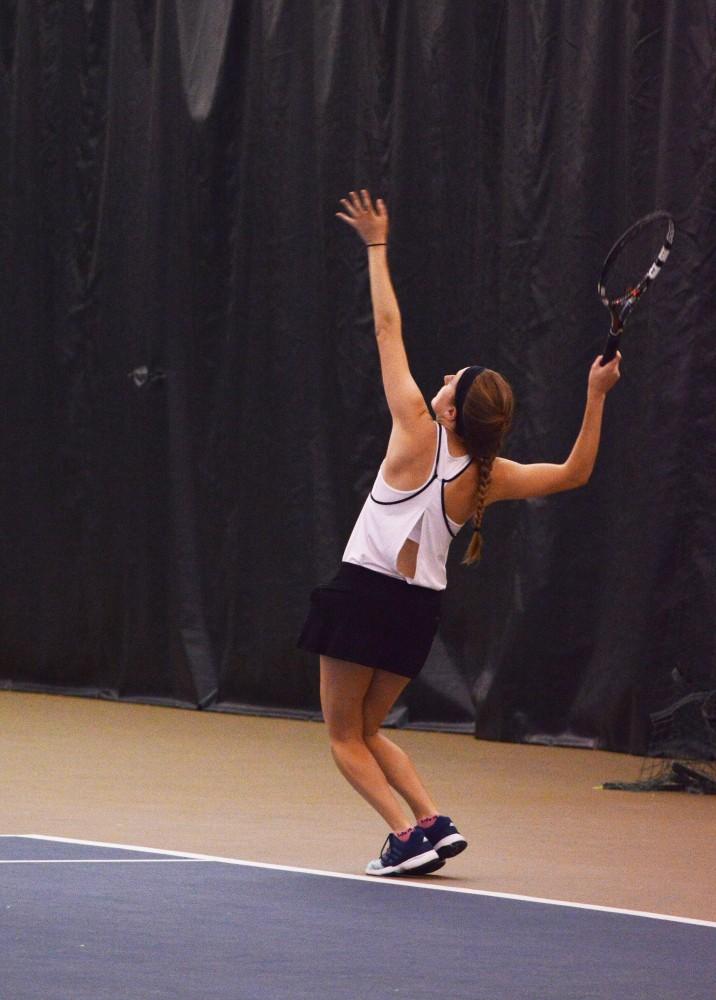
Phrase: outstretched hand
pixel 371 223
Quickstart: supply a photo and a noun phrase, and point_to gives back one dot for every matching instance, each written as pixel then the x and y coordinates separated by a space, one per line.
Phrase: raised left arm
pixel 405 401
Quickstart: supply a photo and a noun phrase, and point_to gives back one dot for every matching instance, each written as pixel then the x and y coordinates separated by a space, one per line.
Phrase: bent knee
pixel 371 733
pixel 340 737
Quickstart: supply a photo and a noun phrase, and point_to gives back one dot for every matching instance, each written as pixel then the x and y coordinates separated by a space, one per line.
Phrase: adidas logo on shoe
pixel 414 856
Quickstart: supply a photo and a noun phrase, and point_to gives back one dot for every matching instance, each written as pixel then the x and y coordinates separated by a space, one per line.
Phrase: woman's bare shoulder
pixel 411 452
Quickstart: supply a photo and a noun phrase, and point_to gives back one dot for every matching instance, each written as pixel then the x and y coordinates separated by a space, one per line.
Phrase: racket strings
pixel 632 262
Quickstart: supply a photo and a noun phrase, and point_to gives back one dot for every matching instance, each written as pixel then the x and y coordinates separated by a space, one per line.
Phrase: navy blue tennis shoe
pixel 444 837
pixel 414 856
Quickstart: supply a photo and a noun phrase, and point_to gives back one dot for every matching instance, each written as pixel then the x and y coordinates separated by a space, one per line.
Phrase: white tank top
pixel 389 517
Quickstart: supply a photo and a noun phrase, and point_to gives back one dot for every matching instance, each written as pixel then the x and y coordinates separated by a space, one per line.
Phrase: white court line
pixel 373 880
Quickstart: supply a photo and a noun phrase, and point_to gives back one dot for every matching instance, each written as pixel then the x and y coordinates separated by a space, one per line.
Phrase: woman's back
pixel 406 526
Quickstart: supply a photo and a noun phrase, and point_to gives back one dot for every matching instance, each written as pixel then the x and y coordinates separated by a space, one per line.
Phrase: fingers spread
pixel 349 206
pixel 360 203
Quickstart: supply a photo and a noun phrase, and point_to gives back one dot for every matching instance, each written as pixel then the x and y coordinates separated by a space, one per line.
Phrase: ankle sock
pixel 426 822
pixel 404 834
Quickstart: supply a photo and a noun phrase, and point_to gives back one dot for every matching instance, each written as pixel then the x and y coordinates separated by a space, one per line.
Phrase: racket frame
pixel 620 307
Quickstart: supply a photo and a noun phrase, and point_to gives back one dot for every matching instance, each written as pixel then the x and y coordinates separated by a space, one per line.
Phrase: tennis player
pixel 374 622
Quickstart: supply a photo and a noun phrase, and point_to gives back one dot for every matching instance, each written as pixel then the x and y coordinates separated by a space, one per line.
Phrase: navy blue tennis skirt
pixel 372 619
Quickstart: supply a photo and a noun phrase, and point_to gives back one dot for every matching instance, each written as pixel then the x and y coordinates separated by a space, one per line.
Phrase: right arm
pixel 515 481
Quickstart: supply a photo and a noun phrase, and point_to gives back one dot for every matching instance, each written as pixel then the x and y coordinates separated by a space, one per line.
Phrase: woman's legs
pixel 394 762
pixel 343 690
pixel 355 701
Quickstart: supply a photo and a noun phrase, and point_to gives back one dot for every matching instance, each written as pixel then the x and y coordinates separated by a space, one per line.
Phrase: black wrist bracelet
pixel 376 244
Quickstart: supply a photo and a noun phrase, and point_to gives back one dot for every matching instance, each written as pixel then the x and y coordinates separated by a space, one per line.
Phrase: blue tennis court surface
pixel 87 921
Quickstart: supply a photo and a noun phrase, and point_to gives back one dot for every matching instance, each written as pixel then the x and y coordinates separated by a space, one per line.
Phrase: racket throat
pixel 617 324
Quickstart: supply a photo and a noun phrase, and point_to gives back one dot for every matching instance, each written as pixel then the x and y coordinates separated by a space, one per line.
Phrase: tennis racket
pixel 631 265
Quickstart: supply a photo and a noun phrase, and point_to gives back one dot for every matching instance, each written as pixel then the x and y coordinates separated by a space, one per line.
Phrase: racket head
pixel 634 262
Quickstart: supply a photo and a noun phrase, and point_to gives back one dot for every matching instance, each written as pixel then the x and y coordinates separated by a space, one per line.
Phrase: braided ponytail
pixel 475 547
pixel 487 415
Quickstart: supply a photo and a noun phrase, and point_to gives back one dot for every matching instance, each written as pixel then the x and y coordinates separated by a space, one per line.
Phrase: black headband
pixel 463 387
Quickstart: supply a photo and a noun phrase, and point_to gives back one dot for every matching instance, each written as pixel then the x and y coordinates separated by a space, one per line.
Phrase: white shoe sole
pixel 421 864
pixel 451 845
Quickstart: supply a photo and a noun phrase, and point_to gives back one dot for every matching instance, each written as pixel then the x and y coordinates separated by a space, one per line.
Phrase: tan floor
pixel 266 790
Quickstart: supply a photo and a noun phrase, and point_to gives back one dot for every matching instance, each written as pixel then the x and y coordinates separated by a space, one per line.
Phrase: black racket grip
pixel 610 348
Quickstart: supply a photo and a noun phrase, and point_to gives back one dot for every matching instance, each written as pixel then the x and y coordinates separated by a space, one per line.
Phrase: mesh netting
pixel 682 749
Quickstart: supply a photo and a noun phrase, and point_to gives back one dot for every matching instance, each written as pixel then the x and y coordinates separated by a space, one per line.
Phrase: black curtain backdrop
pixel 169 174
